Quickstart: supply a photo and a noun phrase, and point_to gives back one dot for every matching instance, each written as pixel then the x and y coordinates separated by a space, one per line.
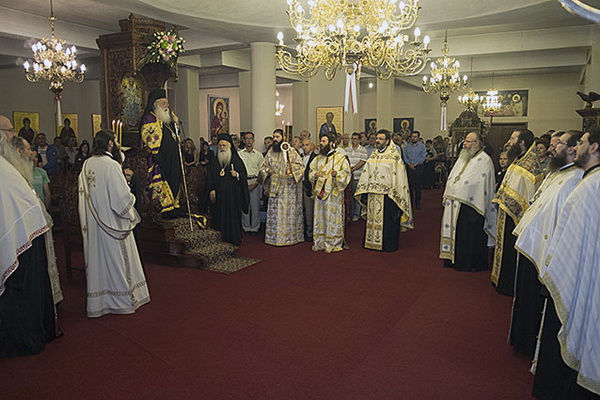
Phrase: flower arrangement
pixel 166 46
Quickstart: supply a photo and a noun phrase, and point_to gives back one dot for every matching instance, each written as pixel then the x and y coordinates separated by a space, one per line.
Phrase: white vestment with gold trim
pixel 115 280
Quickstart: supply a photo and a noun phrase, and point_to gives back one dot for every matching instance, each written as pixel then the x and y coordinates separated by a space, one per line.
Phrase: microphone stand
pixel 187 198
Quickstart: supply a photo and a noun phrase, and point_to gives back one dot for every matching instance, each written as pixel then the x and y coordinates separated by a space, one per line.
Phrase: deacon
pixel 282 170
pixel 468 224
pixel 115 280
pixel 535 232
pixel 159 130
pixel 569 365
pixel 227 188
pixel 383 193
pixel 329 174
pixel 522 179
pixel 27 313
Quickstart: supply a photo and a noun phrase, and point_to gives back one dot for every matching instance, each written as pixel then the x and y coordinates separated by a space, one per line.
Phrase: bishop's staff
pixel 187 198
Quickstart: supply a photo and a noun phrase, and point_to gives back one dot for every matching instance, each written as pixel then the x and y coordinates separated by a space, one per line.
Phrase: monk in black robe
pixel 226 191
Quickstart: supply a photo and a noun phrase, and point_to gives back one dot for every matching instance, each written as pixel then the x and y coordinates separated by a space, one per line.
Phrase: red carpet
pixel 299 325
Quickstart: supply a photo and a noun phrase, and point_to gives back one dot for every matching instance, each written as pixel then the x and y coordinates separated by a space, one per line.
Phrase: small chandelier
pixel 470 100
pixel 491 101
pixel 54 61
pixel 278 106
pixel 444 79
pixel 352 34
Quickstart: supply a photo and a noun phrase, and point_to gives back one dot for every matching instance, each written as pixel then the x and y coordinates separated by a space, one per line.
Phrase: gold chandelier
pixel 470 100
pixel 491 101
pixel 54 61
pixel 445 76
pixel 444 79
pixel 350 34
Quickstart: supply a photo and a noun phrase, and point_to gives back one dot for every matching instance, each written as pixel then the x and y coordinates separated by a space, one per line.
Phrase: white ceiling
pixel 504 36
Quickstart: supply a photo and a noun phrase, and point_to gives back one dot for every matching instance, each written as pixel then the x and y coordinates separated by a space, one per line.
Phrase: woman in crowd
pixel 190 154
pixel 206 154
pixel 83 153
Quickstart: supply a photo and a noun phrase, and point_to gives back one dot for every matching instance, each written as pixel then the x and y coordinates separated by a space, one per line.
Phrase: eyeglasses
pixel 470 141
pixel 8 130
pixel 561 142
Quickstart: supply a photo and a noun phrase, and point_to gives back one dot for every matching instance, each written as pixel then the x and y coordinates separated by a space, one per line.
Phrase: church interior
pixel 263 322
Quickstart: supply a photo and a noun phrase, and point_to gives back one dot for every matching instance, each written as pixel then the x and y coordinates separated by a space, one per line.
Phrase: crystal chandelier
pixel 444 79
pixel 351 34
pixel 491 102
pixel 54 61
pixel 470 100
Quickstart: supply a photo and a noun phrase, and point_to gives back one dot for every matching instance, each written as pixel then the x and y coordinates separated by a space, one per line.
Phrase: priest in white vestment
pixel 535 232
pixel 384 196
pixel 571 273
pixel 115 280
pixel 469 220
pixel 329 175
pixel 27 312
pixel 281 176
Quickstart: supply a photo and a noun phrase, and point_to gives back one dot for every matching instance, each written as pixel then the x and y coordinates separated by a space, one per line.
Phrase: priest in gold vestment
pixel 520 183
pixel 329 175
pixel 383 193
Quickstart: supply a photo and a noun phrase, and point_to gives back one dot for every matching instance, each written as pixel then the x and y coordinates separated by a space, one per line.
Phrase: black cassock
pixel 232 197
pixel 471 252
pixel 27 319
pixel 391 224
pixel 168 158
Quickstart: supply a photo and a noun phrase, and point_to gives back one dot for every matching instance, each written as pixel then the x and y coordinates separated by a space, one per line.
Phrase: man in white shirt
pixel 252 159
pixel 357 155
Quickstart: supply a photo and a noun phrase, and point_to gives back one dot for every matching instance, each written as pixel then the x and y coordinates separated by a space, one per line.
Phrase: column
pixel 385 96
pixel 300 108
pixel 187 102
pixel 263 90
pixel 245 84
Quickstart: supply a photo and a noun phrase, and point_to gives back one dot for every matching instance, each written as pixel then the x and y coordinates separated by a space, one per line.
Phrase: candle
pixel 113 125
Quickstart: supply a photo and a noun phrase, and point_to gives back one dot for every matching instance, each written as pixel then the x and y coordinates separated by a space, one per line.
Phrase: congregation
pixel 530 217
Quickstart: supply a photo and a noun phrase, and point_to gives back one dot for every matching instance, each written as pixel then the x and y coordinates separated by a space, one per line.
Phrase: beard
pixel 467 154
pixel 116 154
pixel 556 162
pixel 224 157
pixel 163 114
pixel 382 146
pixel 325 150
pixel 13 156
pixel 582 159
pixel 513 152
pixel 276 146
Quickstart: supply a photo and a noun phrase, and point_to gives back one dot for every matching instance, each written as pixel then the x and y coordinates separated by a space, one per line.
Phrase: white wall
pixel 552 103
pixel 18 94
